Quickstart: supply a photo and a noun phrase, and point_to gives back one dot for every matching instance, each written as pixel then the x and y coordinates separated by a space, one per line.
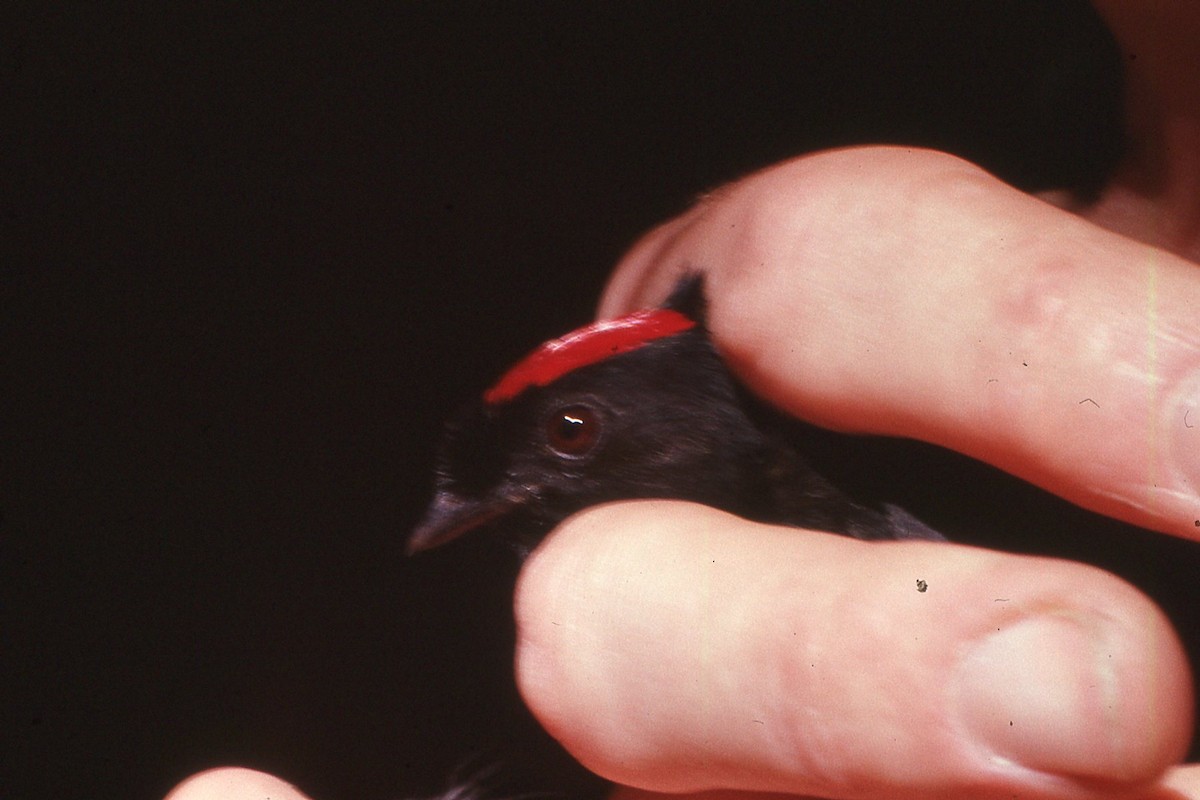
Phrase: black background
pixel 253 255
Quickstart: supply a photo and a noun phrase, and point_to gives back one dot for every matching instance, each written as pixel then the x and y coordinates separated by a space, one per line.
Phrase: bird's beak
pixel 451 515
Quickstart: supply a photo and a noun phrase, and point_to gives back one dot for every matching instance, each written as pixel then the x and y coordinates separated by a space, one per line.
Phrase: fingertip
pixel 234 783
pixel 1183 783
pixel 563 587
pixel 644 275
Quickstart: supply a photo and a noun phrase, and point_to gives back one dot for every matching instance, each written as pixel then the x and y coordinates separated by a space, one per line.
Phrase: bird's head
pixel 635 407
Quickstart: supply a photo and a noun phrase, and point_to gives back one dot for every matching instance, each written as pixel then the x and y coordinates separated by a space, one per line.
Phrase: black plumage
pixel 664 419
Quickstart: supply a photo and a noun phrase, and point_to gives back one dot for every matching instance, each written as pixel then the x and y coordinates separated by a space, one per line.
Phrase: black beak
pixel 451 515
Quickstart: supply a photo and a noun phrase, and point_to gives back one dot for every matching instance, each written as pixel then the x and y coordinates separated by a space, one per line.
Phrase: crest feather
pixel 587 345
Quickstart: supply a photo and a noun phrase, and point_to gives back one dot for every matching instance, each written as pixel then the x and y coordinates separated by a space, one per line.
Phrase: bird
pixel 637 407
pixel 643 406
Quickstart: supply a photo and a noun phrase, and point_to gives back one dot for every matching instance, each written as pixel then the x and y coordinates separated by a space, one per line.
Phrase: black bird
pixel 637 407
pixel 643 407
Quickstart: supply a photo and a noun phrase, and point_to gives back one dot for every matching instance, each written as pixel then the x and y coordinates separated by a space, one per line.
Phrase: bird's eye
pixel 573 430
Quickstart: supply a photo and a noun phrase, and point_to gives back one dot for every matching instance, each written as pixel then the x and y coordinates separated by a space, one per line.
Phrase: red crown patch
pixel 584 346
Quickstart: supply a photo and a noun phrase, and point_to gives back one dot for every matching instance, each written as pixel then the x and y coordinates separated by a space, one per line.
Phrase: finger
pixel 677 648
pixel 234 783
pixel 1183 782
pixel 901 292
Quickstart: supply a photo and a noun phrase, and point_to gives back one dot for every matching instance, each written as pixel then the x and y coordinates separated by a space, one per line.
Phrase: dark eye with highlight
pixel 573 430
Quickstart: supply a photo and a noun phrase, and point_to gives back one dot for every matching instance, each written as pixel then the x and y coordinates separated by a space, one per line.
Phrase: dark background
pixel 252 256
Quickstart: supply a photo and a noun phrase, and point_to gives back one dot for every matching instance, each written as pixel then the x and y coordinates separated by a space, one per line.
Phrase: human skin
pixel 975 317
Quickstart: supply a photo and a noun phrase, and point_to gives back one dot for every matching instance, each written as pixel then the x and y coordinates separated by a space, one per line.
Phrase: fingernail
pixel 1041 693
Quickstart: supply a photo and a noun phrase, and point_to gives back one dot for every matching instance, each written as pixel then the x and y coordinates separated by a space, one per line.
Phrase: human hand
pixel 881 290
pixel 882 295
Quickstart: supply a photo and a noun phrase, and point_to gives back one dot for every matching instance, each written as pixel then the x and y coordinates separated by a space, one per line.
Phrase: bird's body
pixel 639 407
